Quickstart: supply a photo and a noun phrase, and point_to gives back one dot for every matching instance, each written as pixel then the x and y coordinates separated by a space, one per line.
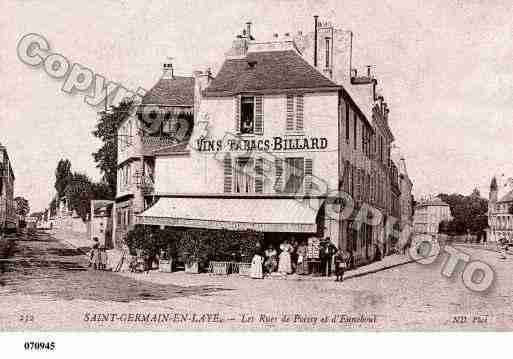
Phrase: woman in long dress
pixel 284 265
pixel 257 271
pixel 302 264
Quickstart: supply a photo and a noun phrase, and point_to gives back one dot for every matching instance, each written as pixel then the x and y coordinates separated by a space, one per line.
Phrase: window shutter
pixel 259 172
pixel 299 112
pixel 259 115
pixel 278 164
pixel 237 113
pixel 308 175
pixel 290 113
pixel 227 173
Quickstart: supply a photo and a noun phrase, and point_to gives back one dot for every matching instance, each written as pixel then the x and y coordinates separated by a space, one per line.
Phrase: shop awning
pixel 260 214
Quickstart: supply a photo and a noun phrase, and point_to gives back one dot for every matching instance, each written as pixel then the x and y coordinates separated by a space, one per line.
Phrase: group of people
pixel 292 258
pixel 98 256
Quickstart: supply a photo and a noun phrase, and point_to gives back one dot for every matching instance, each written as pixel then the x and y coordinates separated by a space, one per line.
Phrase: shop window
pixel 244 181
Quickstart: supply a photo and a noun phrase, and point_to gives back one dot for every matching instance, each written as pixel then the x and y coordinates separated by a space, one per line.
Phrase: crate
pixel 243 268
pixel 166 266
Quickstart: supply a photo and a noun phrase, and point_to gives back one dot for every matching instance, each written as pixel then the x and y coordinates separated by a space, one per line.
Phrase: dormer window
pixel 247 115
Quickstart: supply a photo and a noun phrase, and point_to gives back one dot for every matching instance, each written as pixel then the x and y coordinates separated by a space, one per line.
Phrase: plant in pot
pixel 249 243
pixel 192 250
pixel 168 241
pixel 221 251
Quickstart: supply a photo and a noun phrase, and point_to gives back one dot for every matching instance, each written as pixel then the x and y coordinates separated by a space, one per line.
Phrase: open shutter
pixel 290 113
pixel 228 170
pixel 259 115
pixel 236 114
pixel 278 164
pixel 308 175
pixel 259 172
pixel 299 112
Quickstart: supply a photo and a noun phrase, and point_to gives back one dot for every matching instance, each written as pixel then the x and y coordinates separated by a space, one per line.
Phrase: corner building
pixel 273 138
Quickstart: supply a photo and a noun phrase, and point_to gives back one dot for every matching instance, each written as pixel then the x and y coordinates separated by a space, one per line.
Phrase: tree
pixel 469 212
pixel 22 206
pixel 62 176
pixel 107 155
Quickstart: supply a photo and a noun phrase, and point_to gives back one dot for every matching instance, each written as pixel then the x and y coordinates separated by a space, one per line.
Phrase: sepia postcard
pixel 256 166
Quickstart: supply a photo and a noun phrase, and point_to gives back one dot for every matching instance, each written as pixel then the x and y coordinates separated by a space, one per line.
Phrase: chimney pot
pixel 368 71
pixel 248 29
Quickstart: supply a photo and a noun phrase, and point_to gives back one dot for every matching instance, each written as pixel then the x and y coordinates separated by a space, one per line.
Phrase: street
pixel 45 284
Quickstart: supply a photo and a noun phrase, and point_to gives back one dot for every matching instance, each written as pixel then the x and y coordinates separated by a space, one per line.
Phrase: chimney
pixel 167 69
pixel 248 31
pixel 369 71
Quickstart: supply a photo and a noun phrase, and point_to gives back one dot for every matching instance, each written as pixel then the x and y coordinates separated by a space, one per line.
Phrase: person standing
pixel 302 263
pixel 256 271
pixel 284 264
pixel 94 254
pixel 271 260
pixel 341 264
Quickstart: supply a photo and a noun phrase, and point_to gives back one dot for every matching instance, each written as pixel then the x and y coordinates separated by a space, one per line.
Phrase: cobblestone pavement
pixel 47 285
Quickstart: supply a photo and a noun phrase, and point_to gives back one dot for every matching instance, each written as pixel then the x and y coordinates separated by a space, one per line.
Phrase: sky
pixel 445 69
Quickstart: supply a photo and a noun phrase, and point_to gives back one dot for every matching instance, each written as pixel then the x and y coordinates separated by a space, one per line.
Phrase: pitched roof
pixel 176 91
pixel 271 70
pixel 508 197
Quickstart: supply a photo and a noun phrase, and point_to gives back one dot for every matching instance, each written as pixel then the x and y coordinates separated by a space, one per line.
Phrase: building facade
pixel 429 214
pixel 500 215
pixel 274 139
pixel 149 130
pixel 8 218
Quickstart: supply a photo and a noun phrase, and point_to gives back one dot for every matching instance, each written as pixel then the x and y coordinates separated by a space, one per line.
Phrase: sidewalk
pixel 76 240
pixel 186 279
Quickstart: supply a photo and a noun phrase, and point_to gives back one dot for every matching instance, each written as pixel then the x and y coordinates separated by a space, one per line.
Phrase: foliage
pixel 107 155
pixel 22 206
pixel 195 245
pixel 81 190
pixel 469 212
pixel 63 176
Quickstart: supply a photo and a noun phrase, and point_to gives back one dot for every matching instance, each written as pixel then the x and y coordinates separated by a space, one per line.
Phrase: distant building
pixel 500 214
pixel 8 218
pixel 101 222
pixel 429 214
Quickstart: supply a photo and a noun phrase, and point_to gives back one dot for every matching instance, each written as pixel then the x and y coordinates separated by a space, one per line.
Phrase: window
pixel 294 174
pixel 295 108
pixel 247 115
pixel 244 181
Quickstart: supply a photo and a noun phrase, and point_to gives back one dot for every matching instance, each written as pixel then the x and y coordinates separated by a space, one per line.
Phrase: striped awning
pixel 260 214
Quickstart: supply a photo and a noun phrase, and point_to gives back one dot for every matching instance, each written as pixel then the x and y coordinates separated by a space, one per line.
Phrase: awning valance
pixel 260 214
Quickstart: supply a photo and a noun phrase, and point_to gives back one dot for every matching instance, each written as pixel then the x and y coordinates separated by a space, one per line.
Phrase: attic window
pixel 252 64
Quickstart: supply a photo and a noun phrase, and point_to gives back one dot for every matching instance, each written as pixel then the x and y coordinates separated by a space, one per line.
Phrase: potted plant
pixel 168 240
pixel 192 250
pixel 219 245
pixel 249 243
